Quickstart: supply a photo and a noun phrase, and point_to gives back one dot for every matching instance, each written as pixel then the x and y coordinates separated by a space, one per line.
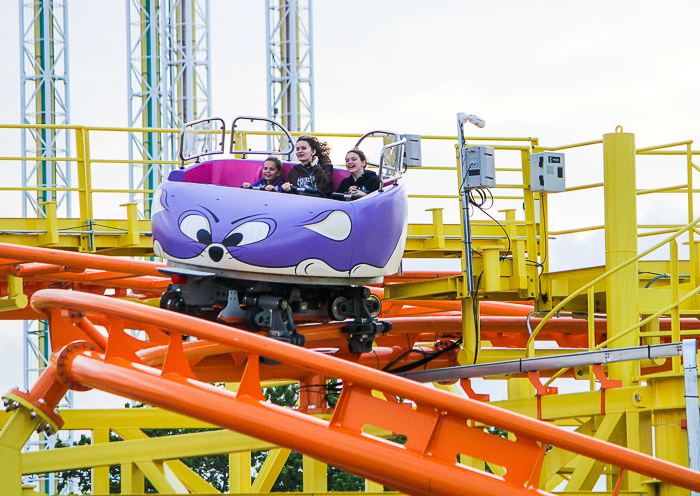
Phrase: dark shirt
pixel 367 182
pixel 318 177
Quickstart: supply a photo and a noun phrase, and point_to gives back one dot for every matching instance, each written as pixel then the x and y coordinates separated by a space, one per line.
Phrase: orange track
pixel 439 426
pixel 167 372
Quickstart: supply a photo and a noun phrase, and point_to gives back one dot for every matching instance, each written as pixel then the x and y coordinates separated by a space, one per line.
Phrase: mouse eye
pixel 157 203
pixel 246 234
pixel 336 226
pixel 196 227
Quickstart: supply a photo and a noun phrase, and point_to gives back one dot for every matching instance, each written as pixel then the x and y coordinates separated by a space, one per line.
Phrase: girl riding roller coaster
pixel 315 170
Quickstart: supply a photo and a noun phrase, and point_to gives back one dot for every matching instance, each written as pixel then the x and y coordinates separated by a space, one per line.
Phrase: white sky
pixel 564 72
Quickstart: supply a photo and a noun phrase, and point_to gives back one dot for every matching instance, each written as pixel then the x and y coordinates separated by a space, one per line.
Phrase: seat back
pixel 234 172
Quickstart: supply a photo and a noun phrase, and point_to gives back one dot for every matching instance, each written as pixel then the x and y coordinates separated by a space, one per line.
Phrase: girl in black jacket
pixel 361 182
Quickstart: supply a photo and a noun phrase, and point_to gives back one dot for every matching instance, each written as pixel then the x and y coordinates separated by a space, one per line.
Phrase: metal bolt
pixel 68 349
pixel 32 415
pixel 85 345
pixel 93 348
pixel 65 380
pixel 81 314
pixel 60 364
pixel 63 355
pixel 637 398
pixel 579 373
pixel 60 372
pixel 73 315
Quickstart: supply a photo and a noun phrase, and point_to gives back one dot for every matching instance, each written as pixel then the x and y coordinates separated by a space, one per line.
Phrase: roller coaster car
pixel 267 258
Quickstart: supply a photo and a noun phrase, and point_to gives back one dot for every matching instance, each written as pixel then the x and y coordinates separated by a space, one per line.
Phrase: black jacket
pixel 367 182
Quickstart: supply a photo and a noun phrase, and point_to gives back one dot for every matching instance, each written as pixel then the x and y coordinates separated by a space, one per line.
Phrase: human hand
pixel 269 187
pixel 287 187
pixel 245 185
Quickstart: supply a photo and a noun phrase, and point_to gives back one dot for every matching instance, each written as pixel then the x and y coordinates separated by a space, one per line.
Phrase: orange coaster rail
pixel 439 426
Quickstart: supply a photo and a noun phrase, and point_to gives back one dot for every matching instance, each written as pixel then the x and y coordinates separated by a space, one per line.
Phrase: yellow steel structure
pixel 643 411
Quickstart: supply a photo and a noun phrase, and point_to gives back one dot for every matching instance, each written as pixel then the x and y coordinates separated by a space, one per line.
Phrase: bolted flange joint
pixel 65 357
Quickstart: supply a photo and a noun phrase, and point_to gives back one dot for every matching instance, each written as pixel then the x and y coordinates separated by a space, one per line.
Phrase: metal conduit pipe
pixel 561 314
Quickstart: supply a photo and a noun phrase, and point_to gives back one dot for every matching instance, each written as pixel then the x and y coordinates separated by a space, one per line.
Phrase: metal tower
pixel 45 101
pixel 290 76
pixel 169 80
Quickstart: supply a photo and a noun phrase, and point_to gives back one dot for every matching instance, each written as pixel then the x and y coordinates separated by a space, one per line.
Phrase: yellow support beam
pixel 315 476
pixel 131 238
pixel 50 238
pixel 155 473
pixel 137 418
pixel 439 287
pixel 132 479
pixel 270 470
pixel 184 474
pixel 13 437
pixel 167 447
pixel 620 246
pixel 15 299
pixel 100 470
pixel 239 473
pixel 437 242
pixel 588 470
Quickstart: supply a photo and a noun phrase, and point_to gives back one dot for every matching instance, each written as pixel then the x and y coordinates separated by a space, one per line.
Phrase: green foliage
pixel 338 480
pixel 83 475
pixel 286 395
pixel 497 432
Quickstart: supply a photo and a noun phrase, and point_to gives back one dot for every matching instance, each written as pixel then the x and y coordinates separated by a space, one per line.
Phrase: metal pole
pixel 466 223
pixel 692 405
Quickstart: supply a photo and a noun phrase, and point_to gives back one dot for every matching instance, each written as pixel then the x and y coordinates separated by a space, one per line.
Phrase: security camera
pixel 463 117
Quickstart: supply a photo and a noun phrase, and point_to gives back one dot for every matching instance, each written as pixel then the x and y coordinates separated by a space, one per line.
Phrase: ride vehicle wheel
pixel 374 305
pixel 172 300
pixel 250 319
pixel 334 308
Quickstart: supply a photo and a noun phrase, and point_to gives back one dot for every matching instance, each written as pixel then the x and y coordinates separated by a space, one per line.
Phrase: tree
pixel 82 475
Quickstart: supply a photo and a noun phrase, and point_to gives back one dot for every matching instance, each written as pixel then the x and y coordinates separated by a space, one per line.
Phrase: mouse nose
pixel 216 253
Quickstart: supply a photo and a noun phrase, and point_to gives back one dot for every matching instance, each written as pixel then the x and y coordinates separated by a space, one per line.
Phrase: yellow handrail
pixel 583 288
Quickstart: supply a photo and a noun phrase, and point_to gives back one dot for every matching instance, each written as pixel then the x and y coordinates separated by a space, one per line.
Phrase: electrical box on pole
pixel 478 167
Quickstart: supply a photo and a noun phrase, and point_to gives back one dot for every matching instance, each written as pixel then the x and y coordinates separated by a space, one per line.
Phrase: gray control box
pixel 547 172
pixel 478 167
pixel 411 155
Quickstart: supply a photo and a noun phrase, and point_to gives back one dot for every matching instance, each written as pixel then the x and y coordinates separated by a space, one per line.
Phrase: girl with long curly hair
pixel 314 170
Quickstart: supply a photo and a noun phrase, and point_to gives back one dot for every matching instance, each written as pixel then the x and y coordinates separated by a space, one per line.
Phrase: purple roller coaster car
pixel 261 257
pixel 275 233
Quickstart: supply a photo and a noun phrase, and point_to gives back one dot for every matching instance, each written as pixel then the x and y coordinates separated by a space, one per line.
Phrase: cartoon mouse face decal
pixel 238 229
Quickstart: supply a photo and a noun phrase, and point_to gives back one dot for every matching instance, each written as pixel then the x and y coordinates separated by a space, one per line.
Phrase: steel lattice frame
pixel 290 75
pixel 45 100
pixel 169 80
